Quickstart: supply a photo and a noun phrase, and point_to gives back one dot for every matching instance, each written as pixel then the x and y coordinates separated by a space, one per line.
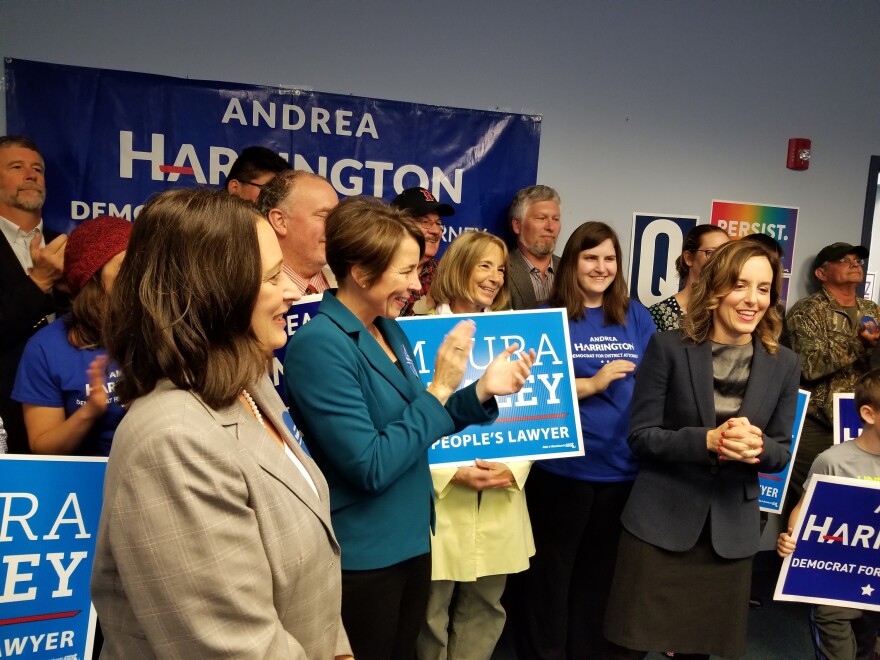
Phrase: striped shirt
pixel 542 283
pixel 315 284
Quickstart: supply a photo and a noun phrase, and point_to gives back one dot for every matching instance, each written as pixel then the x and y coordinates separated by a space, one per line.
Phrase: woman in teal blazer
pixel 368 421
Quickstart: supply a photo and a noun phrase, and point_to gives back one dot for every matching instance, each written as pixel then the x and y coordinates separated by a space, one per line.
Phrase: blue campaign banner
pixel 50 512
pixel 542 420
pixel 836 561
pixel 300 313
pixel 112 138
pixel 847 423
pixel 774 486
pixel 656 244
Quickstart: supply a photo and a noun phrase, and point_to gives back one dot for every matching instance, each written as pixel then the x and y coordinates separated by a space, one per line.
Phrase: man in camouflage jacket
pixel 834 331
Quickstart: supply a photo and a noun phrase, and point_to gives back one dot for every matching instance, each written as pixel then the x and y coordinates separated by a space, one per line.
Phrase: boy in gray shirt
pixel 844 632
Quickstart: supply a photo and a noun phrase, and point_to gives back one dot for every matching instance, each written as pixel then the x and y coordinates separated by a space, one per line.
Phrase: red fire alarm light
pixel 798 154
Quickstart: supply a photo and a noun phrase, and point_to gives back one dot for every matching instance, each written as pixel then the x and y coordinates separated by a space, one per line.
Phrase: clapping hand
pixel 451 361
pixel 614 370
pixel 505 376
pixel 48 261
pixel 97 401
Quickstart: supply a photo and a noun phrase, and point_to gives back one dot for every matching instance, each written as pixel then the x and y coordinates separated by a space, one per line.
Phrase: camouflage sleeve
pixel 870 308
pixel 823 349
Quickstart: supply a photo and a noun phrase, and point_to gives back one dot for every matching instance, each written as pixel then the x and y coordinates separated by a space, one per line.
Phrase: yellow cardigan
pixel 490 539
pixel 475 536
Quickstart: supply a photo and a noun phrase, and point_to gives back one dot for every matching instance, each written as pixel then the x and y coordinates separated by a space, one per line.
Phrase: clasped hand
pixel 737 439
pixel 483 475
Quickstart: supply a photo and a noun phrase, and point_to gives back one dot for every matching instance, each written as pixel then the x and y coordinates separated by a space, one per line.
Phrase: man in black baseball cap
pixel 426 212
pixel 837 251
pixel 834 331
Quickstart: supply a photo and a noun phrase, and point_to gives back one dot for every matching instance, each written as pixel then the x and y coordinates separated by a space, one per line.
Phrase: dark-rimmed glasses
pixel 708 252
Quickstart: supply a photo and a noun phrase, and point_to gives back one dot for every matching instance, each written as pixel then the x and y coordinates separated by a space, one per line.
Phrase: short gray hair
pixel 528 196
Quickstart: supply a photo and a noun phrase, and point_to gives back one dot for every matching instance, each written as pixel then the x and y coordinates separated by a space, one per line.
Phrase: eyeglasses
pixel 427 223
pixel 850 263
pixel 708 252
pixel 251 183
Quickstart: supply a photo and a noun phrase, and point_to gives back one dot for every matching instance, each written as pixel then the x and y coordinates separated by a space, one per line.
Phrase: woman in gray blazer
pixel 714 404
pixel 215 538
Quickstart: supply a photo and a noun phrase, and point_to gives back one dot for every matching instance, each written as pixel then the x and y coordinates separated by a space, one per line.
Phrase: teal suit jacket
pixel 368 424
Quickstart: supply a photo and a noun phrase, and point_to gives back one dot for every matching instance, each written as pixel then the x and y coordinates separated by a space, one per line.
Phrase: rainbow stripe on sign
pixel 740 219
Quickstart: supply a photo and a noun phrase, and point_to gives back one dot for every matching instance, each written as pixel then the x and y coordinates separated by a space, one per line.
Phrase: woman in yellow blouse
pixel 482 529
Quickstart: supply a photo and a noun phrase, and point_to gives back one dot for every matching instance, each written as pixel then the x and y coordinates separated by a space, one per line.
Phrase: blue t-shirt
pixel 52 373
pixel 605 416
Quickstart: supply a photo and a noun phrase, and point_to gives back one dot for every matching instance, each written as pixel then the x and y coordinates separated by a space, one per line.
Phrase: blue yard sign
pixel 837 558
pixel 542 420
pixel 847 423
pixel 50 511
pixel 300 313
pixel 774 486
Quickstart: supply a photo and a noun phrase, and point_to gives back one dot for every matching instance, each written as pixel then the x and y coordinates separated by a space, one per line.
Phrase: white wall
pixel 648 106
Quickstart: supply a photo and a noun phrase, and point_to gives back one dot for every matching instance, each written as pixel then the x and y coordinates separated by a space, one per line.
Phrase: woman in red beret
pixel 63 382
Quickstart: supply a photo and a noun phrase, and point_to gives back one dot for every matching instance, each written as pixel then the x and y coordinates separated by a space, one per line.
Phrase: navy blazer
pixel 680 482
pixel 24 307
pixel 368 424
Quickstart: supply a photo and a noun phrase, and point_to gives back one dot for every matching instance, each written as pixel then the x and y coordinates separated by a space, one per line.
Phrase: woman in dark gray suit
pixel 215 538
pixel 714 404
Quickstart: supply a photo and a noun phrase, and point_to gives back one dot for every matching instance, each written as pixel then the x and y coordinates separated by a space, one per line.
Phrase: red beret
pixel 91 245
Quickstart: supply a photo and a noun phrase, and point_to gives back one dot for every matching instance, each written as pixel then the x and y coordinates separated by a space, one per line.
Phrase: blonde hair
pixel 717 279
pixel 453 278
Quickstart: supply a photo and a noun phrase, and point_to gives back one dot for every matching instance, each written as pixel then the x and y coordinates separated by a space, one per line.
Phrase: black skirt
pixel 687 602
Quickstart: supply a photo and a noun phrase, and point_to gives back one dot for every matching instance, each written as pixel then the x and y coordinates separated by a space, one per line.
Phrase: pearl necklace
pixel 253 404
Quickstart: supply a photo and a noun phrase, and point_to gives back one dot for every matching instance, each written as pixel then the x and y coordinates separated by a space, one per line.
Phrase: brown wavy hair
pixel 566 290
pixel 182 303
pixel 717 279
pixel 453 278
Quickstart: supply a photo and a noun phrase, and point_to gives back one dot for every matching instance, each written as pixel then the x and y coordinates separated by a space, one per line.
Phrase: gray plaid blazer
pixel 211 543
